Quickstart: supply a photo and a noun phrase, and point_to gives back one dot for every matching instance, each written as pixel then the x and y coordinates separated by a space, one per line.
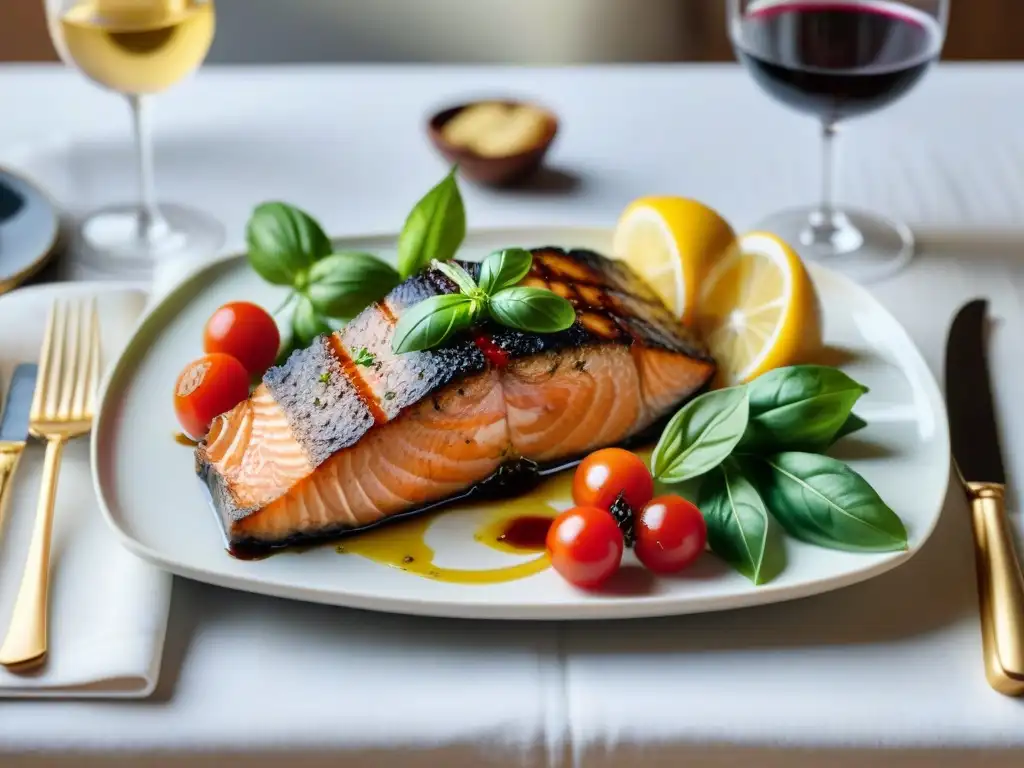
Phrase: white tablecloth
pixel 891 664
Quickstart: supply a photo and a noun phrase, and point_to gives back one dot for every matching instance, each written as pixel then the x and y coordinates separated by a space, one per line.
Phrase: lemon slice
pixel 669 242
pixel 758 309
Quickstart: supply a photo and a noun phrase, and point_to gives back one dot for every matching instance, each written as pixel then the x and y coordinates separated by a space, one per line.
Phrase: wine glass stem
pixel 822 227
pixel 150 221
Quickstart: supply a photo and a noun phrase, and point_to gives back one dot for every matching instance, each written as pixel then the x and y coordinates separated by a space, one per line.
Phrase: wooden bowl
pixel 492 171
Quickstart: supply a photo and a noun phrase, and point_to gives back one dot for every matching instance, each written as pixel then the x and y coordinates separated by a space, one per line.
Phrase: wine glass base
pixel 109 241
pixel 863 246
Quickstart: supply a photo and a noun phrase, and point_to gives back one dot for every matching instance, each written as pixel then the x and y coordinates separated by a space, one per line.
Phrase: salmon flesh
pixel 346 433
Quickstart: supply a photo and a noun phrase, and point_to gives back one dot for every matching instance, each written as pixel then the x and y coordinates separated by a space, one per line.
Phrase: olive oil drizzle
pixel 514 526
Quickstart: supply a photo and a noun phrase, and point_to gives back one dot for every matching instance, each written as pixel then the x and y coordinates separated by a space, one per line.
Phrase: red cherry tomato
pixel 585 546
pixel 602 475
pixel 670 534
pixel 206 388
pixel 245 331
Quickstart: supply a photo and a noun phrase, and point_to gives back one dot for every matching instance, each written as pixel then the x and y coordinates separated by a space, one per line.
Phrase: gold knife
pixel 14 429
pixel 974 437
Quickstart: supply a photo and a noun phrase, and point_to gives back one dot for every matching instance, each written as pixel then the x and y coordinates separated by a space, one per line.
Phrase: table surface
pixel 893 663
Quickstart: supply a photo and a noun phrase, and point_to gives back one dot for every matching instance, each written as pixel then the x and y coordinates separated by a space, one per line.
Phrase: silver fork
pixel 62 409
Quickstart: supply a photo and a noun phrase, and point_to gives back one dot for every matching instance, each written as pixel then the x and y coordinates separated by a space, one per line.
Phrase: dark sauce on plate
pixel 527 533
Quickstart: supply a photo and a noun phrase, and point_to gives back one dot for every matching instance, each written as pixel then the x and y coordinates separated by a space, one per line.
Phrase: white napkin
pixel 108 609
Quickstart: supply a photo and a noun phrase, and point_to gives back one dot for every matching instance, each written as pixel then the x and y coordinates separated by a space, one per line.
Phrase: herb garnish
pixel 364 357
pixel 757 449
pixel 739 528
pixel 534 310
pixel 324 377
pixel 434 229
pixel 800 407
pixel 287 247
pixel 701 435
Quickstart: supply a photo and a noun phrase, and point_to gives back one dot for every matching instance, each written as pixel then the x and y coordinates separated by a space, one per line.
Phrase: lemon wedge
pixel 757 309
pixel 670 242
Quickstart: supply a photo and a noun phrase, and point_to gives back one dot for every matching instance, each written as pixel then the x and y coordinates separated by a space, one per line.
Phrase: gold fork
pixel 62 408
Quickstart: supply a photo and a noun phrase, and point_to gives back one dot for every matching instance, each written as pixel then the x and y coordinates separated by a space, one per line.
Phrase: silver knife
pixel 979 461
pixel 14 428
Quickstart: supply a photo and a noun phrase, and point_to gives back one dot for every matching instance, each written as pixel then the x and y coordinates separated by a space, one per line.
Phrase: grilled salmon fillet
pixel 346 433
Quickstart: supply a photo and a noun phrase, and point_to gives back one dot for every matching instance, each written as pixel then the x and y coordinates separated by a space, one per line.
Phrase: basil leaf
pixel 307 323
pixel 800 407
pixel 534 310
pixel 431 321
pixel 853 423
pixel 503 269
pixel 457 275
pixel 822 501
pixel 283 241
pixel 345 283
pixel 434 228
pixel 738 523
pixel 701 435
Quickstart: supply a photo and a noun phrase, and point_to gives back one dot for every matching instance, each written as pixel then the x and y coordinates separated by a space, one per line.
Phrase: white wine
pixel 137 46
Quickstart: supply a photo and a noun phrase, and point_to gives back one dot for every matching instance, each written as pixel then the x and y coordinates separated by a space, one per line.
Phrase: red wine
pixel 836 58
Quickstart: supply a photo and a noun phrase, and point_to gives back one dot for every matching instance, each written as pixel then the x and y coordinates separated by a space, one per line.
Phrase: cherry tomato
pixel 245 331
pixel 585 546
pixel 670 534
pixel 206 388
pixel 602 475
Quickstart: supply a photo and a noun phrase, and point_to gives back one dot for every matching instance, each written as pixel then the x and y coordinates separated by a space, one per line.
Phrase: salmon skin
pixel 346 434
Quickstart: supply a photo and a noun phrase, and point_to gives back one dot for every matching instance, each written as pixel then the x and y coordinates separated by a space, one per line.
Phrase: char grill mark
pixel 401 381
pixel 612 304
pixel 588 298
pixel 359 384
pixel 325 416
pixel 385 310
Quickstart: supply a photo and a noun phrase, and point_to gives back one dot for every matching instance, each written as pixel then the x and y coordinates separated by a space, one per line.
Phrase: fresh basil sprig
pixel 344 283
pixel 504 270
pixel 738 523
pixel 800 407
pixel 755 449
pixel 283 242
pixel 534 310
pixel 434 229
pixel 701 435
pixel 822 501
pixel 286 246
pixel 432 321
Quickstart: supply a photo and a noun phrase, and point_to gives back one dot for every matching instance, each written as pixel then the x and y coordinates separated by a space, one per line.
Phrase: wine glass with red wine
pixel 839 59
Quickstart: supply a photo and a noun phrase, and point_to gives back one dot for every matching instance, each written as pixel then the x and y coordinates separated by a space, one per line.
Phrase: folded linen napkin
pixel 108 609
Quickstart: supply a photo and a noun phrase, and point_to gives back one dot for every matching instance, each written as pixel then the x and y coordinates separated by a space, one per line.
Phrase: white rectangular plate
pixel 151 497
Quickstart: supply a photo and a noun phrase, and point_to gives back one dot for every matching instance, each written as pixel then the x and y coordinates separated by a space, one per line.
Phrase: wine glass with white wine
pixel 138 48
